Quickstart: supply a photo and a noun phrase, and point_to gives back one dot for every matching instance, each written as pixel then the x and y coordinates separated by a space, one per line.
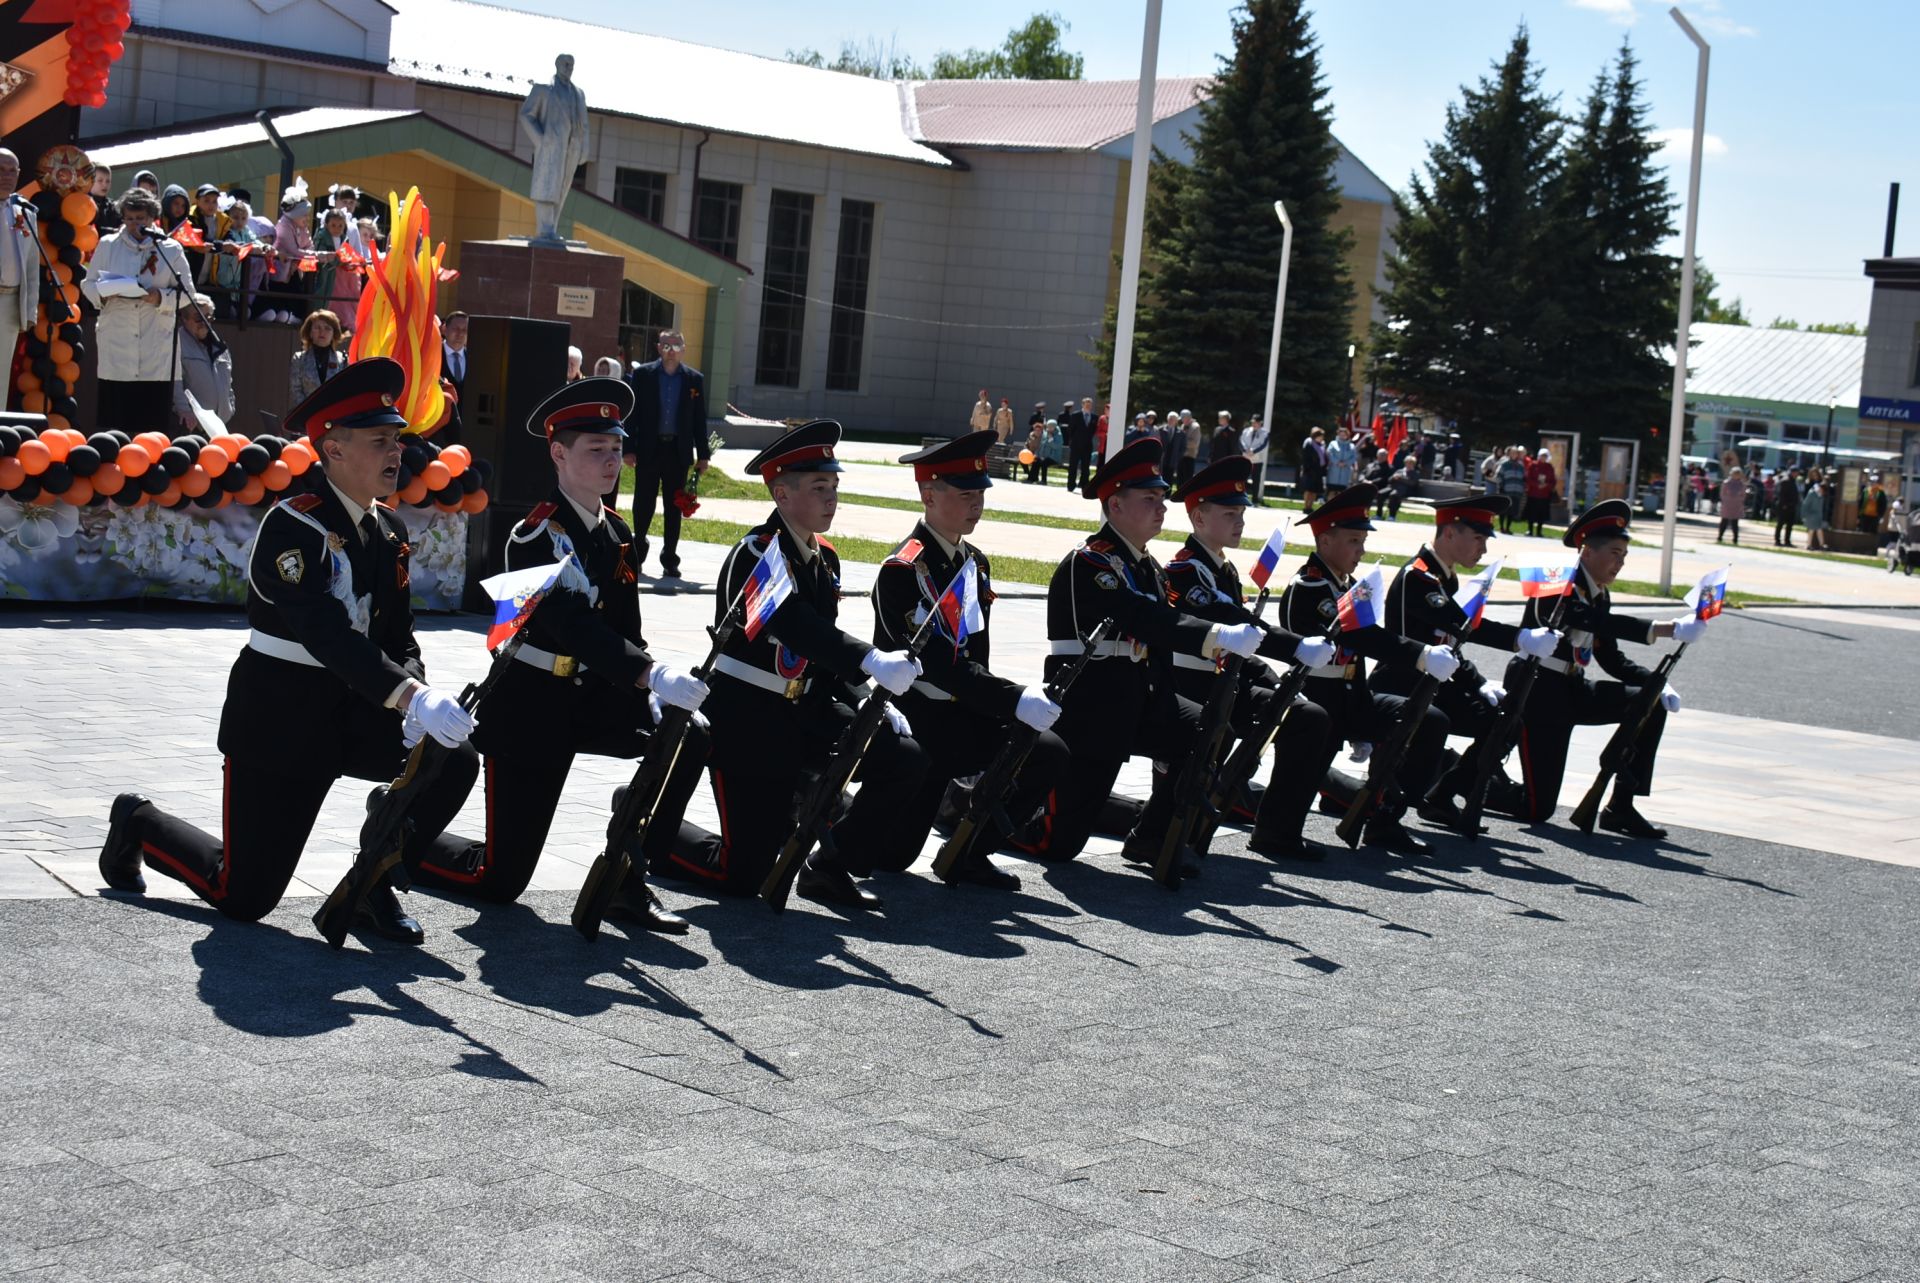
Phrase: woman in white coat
pixel 138 296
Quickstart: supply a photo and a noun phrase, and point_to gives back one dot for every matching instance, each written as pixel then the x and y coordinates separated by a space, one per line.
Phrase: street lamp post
pixel 1677 417
pixel 1346 407
pixel 1273 352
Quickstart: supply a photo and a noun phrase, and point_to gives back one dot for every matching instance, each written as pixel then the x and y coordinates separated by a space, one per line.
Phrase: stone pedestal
pixel 571 284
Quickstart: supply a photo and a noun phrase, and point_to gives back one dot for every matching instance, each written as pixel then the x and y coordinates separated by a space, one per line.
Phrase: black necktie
pixel 369 530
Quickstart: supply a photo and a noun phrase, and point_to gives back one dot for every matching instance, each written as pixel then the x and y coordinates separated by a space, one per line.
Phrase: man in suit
pixel 667 434
pixel 19 261
pixel 453 367
pixel 1079 428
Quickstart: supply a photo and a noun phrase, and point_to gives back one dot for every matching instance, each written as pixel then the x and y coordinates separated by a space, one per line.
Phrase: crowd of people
pixel 1788 496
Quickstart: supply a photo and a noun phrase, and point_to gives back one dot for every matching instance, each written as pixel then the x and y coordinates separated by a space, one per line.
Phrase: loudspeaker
pixel 513 364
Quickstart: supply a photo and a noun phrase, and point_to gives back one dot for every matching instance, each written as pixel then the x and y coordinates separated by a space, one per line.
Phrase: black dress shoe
pixel 1330 805
pixel 1280 846
pixel 636 903
pixel 1389 834
pixel 373 797
pixel 381 914
pixel 983 872
pixel 120 854
pixel 829 884
pixel 669 569
pixel 1145 852
pixel 1443 812
pixel 1622 818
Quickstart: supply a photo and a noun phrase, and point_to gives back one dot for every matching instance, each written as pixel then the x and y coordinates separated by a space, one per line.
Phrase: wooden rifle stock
pixel 1622 752
pixel 1387 757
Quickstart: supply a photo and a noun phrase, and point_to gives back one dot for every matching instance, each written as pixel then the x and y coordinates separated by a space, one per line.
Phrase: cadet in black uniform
pixel 1421 608
pixel 330 683
pixel 584 682
pixel 1124 703
pixel 1201 581
pixel 1360 714
pixel 780 700
pixel 1565 697
pixel 959 709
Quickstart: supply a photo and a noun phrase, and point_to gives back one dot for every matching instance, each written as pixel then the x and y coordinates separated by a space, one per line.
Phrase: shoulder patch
pixel 907 553
pixel 291 565
pixel 304 502
pixel 530 525
pixel 1107 579
pixel 1437 600
pixel 1328 608
pixel 1100 545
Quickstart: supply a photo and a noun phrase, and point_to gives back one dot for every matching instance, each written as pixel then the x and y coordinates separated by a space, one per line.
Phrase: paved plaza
pixel 1540 1056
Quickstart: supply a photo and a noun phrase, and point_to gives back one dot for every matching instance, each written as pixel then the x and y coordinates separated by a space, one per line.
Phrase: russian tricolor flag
pixel 1708 597
pixel 959 606
pixel 515 593
pixel 1360 605
pixel 770 584
pixel 1269 558
pixel 1473 593
pixel 1546 581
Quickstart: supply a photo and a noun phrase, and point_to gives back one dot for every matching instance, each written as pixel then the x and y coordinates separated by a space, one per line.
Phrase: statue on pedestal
pixel 554 117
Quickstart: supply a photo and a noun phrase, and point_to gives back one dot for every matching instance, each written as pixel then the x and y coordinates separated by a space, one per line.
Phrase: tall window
pixel 643 314
pixel 783 289
pixel 847 335
pixel 716 217
pixel 642 193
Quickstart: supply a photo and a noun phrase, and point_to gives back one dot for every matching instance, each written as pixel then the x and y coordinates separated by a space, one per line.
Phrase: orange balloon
pixel 79 492
pixel 297 461
pixel 226 497
pixel 194 482
pixel 59 423
pixel 56 443
pixel 78 208
pixel 1026 456
pixel 68 372
pixel 170 496
pixel 34 456
pixel 62 273
pixel 276 476
pixel 415 491
pixel 33 402
pixel 251 493
pixel 214 459
pixel 450 507
pixel 11 473
pixel 134 459
pixel 153 443
pixel 436 476
pixel 60 351
pixel 86 239
pixel 230 445
pixel 474 503
pixel 70 295
pixel 108 479
pixel 457 458
pixel 30 382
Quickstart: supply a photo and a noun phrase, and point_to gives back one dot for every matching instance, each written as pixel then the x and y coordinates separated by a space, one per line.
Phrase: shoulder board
pixel 824 542
pixel 1099 545
pixel 907 553
pixel 304 502
pixel 758 539
pixel 1310 575
pixel 530 525
pixel 1185 554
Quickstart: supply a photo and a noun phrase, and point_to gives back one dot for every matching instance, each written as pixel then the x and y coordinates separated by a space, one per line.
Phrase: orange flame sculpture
pixel 397 316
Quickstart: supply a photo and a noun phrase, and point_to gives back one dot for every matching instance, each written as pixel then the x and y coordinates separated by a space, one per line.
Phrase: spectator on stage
pixel 453 367
pixel 145 180
pixel 174 208
pixel 135 280
pixel 319 357
pixel 210 221
pixel 242 274
pixel 607 367
pixel 207 376
pixel 338 284
pixel 106 215
pixel 291 284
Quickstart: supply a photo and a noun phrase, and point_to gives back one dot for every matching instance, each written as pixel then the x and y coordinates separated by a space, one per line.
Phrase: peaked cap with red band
pixel 1478 510
pixel 1607 519
pixel 1224 482
pixel 961 462
pixel 808 448
pixel 584 405
pixel 1136 467
pixel 1345 511
pixel 361 396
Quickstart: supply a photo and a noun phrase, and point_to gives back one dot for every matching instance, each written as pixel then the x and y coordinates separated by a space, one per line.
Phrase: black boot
pixel 1143 850
pixel 1281 846
pixel 1387 832
pixel 120 854
pixel 636 902
pixel 828 883
pixel 1620 817
pixel 981 871
pixel 381 914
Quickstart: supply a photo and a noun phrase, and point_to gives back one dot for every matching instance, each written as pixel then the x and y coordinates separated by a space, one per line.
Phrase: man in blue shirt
pixel 667 435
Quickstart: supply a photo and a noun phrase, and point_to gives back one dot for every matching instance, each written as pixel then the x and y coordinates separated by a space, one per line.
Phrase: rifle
pixel 1499 739
pixel 1230 781
pixel 984 803
pixel 633 818
pixel 1623 750
pixel 811 826
pixel 383 836
pixel 1197 817
pixel 1386 760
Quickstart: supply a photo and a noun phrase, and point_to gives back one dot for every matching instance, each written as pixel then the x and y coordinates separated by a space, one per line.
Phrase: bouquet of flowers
pixel 687 497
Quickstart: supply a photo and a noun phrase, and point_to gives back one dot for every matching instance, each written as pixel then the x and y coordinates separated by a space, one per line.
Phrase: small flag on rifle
pixel 1360 605
pixel 1473 593
pixel 959 606
pixel 515 593
pixel 1546 581
pixel 1708 597
pixel 770 584
pixel 1269 560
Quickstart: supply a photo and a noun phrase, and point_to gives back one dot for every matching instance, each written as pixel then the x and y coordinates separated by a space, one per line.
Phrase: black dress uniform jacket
pixel 1199 585
pixel 1309 607
pixel 1420 607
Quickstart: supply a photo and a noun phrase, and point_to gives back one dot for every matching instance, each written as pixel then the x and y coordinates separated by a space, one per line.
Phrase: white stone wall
pixel 159 83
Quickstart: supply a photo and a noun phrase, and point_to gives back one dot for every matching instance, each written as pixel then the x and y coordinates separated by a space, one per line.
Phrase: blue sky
pixel 1806 124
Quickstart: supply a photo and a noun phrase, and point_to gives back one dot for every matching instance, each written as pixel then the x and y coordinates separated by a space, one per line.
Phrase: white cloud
pixel 1620 11
pixel 1679 142
pixel 1708 16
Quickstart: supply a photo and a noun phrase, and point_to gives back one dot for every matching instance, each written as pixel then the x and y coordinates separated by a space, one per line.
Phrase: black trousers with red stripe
pixel 1166 731
pixel 962 743
pixel 269 806
pixel 1299 757
pixel 1559 703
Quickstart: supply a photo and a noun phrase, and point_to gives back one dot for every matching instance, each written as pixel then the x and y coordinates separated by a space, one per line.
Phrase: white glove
pixel 1438 661
pixel 898 720
pixel 658 711
pixel 892 669
pixel 1689 629
pixel 1036 710
pixel 682 690
pixel 1313 652
pixel 436 713
pixel 1670 699
pixel 1361 751
pixel 1239 639
pixel 1493 693
pixel 1538 642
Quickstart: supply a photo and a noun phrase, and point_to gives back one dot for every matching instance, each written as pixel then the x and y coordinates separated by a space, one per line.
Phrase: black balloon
pixel 449 493
pixel 69 409
pixel 68 253
pixel 27 491
pixel 175 461
pixel 402 479
pixel 210 499
pixel 84 460
pixel 468 481
pixel 72 333
pixel 128 495
pixel 9 443
pixel 413 458
pixel 272 445
pixel 57 478
pixel 253 459
pixel 485 468
pixel 123 438
pixel 106 443
pixel 35 347
pixel 232 481
pixel 154 480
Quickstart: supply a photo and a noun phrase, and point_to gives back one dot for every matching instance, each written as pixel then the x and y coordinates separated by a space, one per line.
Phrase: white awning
pixel 1814 447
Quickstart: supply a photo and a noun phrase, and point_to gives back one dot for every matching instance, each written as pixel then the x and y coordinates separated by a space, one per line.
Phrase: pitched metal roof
pixel 194 140
pixel 480 46
pixel 1750 363
pixel 1039 115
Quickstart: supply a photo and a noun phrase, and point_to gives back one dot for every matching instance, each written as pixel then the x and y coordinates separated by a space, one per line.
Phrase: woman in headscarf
pixel 292 285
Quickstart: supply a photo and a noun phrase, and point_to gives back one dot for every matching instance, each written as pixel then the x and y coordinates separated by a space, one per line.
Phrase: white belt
pixel 1340 672
pixel 280 648
pixel 1114 648
pixel 1194 662
pixel 741 671
pixel 931 691
pixel 548 662
pixel 1565 666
